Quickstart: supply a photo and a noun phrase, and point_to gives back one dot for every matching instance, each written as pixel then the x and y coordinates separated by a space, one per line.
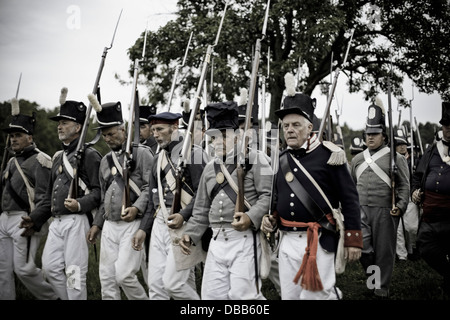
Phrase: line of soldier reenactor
pixel 308 211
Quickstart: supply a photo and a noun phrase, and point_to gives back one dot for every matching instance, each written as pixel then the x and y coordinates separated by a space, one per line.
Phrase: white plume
pixel 289 82
pixel 379 103
pixel 15 109
pixel 94 102
pixel 186 105
pixel 63 96
pixel 243 98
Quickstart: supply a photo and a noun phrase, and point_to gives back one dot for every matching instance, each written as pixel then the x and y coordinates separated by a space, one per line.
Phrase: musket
pixel 240 207
pixel 128 156
pixel 263 107
pixel 6 151
pixel 418 136
pixel 393 164
pixel 333 88
pixel 243 154
pixel 172 89
pixel 193 106
pixel 81 146
pixel 411 129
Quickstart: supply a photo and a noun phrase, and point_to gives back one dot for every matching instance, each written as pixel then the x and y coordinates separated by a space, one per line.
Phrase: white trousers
pixel 164 281
pixel 119 262
pixel 292 249
pixel 411 222
pixel 229 272
pixel 65 256
pixel 13 255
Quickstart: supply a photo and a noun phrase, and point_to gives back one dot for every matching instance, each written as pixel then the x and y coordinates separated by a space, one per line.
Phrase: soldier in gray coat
pixel 66 253
pixel 235 246
pixel 119 263
pixel 25 183
pixel 371 172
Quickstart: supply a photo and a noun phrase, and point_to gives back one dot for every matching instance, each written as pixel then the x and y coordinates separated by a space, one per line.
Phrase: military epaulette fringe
pixel 44 159
pixel 338 156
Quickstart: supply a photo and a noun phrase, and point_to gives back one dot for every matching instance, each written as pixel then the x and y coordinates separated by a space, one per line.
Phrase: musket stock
pixel 128 156
pixel 393 165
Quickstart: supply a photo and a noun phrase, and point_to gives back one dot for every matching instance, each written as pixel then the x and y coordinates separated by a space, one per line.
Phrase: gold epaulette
pixel 338 156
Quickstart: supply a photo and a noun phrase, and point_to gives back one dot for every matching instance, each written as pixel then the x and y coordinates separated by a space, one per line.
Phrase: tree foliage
pixel 392 38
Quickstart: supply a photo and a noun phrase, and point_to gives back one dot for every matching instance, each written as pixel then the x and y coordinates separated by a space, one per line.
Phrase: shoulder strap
pixel 30 190
pixel 303 195
pixel 119 168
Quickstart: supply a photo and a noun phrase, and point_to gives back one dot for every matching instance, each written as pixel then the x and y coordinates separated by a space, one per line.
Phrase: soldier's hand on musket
pixel 417 196
pixel 185 244
pixel 129 214
pixel 138 240
pixel 175 221
pixel 92 234
pixel 268 224
pixel 71 205
pixel 396 212
pixel 241 221
pixel 27 224
pixel 352 253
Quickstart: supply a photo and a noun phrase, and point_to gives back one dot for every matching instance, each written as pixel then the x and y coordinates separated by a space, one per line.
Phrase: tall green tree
pixel 394 38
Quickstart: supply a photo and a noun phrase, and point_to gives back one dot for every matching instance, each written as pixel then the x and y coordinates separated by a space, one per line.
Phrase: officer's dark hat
pixel 222 116
pixel 20 122
pixel 70 110
pixel 145 112
pixel 400 138
pixel 296 102
pixel 357 146
pixel 164 117
pixel 376 122
pixel 445 120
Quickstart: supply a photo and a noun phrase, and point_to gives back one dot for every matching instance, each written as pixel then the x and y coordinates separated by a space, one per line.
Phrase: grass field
pixel 411 280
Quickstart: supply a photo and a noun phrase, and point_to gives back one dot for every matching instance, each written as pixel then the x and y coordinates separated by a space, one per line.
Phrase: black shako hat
pixel 110 115
pixel 376 122
pixel 145 112
pixel 222 116
pixel 70 109
pixel 400 138
pixel 445 120
pixel 20 122
pixel 296 102
pixel 357 145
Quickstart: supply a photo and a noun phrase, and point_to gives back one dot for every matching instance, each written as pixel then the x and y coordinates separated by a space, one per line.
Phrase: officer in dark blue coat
pixel 312 183
pixel 431 189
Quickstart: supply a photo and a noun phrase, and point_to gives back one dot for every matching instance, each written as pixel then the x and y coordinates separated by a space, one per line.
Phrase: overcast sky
pixel 59 43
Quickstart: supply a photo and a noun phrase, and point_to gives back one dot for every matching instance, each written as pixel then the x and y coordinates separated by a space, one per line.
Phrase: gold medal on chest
pixel 220 178
pixel 289 176
pixel 60 169
pixel 113 171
